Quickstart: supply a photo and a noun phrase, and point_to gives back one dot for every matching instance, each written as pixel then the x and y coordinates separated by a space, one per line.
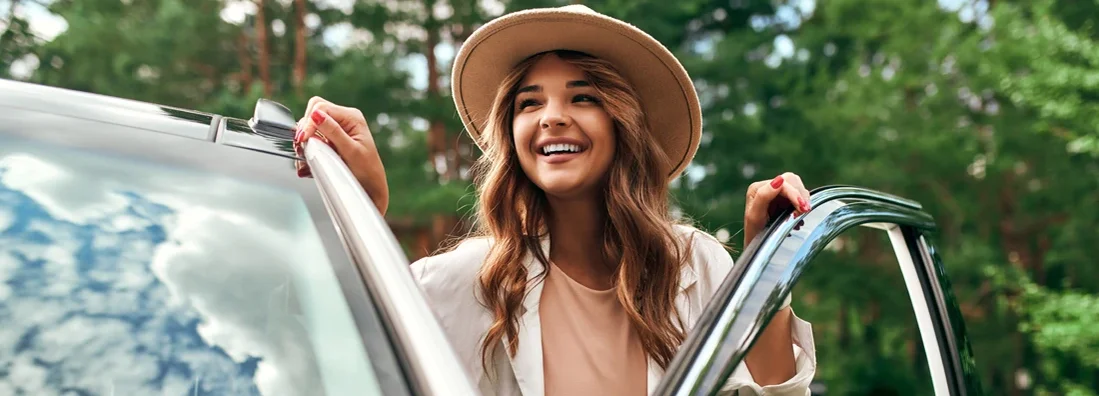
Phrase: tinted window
pixel 121 276
pixel 869 343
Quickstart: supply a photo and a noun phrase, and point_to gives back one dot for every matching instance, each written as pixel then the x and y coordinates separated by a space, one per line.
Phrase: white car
pixel 152 250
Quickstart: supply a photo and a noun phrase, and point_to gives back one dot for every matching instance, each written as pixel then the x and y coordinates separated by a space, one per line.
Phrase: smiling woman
pixel 578 278
pixel 119 276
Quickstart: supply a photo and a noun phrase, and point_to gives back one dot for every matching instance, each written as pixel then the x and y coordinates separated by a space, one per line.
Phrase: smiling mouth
pixel 550 150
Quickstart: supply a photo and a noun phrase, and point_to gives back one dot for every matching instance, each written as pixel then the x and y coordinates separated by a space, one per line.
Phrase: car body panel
pixel 28 99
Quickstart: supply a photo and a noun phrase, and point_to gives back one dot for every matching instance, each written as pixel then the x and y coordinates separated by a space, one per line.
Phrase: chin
pixel 566 189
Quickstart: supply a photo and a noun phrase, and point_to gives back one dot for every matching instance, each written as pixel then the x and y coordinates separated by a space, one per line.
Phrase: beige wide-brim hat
pixel 668 97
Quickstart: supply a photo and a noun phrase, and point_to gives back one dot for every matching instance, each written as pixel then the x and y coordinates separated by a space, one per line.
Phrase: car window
pixel 869 341
pixel 123 276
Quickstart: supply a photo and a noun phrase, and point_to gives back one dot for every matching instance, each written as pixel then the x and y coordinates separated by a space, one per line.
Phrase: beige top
pixel 588 344
pixel 450 283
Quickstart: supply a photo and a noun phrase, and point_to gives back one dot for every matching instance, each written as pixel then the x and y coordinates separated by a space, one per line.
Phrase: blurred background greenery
pixel 985 111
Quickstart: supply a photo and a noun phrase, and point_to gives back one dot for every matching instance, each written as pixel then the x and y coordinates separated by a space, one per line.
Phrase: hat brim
pixel 668 97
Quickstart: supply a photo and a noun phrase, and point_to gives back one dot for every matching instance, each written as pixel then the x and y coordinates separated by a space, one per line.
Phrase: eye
pixel 585 98
pixel 527 102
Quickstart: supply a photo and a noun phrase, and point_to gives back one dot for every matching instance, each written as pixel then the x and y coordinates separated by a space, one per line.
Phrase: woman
pixel 583 121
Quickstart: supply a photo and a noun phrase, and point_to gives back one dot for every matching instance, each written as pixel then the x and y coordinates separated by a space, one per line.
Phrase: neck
pixel 576 227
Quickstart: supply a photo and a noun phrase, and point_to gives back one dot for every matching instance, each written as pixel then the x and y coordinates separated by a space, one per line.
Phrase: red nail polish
pixel 317 117
pixel 803 205
pixel 777 182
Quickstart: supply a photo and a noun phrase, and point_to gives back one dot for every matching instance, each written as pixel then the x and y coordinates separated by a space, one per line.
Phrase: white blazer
pixel 450 282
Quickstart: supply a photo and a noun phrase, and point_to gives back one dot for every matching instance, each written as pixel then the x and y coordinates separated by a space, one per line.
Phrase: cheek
pixel 603 134
pixel 521 137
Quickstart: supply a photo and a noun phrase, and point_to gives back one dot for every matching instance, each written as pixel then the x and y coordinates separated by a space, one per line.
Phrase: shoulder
pixel 461 262
pixel 702 245
pixel 708 257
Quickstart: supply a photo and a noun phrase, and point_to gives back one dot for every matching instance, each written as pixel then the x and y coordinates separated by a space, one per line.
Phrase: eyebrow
pixel 538 88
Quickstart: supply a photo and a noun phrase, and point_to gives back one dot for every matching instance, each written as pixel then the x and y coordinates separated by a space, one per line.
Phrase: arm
pixel 782 361
pixel 772 360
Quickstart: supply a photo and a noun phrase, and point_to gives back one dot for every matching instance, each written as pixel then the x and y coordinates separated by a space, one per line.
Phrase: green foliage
pixel 1058 72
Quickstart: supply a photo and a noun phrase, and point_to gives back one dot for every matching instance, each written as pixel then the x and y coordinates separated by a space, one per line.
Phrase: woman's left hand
pixel 767 198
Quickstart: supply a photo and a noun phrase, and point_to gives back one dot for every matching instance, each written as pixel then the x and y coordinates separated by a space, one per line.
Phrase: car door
pixel 773 263
pixel 424 352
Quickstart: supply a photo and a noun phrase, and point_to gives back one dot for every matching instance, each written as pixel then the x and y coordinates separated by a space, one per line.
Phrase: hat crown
pixel 578 8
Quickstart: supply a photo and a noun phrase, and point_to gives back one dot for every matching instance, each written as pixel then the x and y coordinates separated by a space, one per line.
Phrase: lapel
pixel 527 363
pixel 687 278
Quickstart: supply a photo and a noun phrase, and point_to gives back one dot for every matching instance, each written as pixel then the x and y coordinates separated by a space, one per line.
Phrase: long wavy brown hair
pixel 639 234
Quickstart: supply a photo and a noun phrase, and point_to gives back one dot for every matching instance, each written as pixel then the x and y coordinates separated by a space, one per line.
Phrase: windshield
pixel 126 277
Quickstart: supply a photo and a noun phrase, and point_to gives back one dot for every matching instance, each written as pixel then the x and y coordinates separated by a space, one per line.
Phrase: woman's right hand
pixel 345 129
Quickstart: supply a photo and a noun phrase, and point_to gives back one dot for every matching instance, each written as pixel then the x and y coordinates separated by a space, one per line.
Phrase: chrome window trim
pixel 924 318
pixel 432 362
pixel 773 262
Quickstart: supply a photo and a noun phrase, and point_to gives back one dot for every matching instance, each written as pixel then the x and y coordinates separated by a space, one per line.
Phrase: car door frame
pixel 773 262
pixel 424 352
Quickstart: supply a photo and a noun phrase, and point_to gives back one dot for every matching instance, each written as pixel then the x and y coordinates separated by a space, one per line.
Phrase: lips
pixel 558 158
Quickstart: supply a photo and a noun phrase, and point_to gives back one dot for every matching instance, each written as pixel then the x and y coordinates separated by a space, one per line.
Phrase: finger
pixel 794 180
pixel 752 190
pixel 312 104
pixel 757 212
pixel 306 125
pixel 303 169
pixel 299 129
pixel 305 174
pixel 349 118
pixel 334 132
pixel 308 129
pixel 792 193
pixel 800 223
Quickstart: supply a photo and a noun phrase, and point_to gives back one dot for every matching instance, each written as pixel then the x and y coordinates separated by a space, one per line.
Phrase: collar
pixel 687 276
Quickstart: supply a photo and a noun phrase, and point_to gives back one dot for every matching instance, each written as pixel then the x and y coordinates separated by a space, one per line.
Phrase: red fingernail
pixel 777 182
pixel 317 116
pixel 803 205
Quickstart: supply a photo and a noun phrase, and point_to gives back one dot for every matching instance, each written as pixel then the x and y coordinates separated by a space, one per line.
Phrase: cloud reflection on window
pixel 121 279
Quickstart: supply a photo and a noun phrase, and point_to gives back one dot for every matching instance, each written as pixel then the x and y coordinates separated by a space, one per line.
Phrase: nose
pixel 555 116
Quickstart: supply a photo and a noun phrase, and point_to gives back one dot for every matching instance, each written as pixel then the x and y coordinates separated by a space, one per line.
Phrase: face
pixel 563 137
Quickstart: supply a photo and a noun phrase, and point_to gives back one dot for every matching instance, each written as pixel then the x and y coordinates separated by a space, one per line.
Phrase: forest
pixel 984 111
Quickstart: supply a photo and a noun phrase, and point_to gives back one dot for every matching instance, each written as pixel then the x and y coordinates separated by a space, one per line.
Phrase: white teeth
pixel 559 148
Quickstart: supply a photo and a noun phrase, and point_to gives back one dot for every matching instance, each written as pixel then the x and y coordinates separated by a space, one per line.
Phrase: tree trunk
pixel 299 47
pixel 245 55
pixel 261 45
pixel 436 135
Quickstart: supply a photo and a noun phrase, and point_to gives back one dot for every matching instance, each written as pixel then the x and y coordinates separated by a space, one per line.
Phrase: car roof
pixel 33 97
pixel 37 98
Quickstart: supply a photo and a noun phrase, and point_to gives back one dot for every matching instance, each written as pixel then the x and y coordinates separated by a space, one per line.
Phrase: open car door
pixel 773 262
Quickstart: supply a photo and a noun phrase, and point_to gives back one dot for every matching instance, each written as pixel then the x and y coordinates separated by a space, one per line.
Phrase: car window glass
pixel 123 277
pixel 864 325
